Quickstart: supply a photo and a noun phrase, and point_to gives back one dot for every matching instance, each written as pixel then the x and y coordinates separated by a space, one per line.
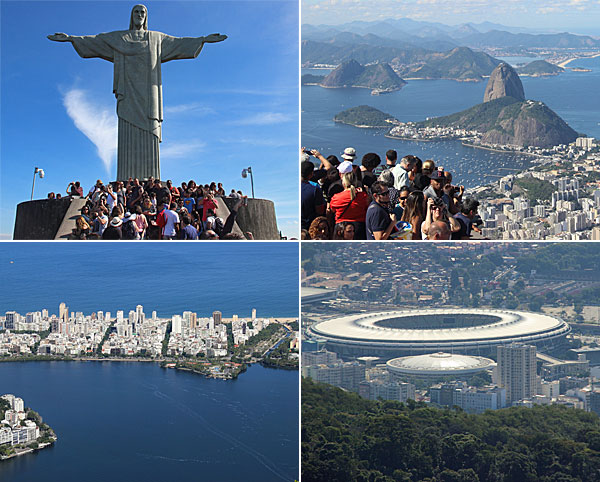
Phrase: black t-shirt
pixel 465 226
pixel 377 219
pixel 112 232
pixel 136 193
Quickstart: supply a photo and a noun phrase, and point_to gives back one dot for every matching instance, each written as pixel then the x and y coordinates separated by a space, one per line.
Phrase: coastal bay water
pixel 136 421
pixel 170 278
pixel 572 95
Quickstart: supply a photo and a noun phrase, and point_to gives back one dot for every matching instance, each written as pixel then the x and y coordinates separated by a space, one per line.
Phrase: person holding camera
pixel 75 189
pixel 437 211
pixel 436 190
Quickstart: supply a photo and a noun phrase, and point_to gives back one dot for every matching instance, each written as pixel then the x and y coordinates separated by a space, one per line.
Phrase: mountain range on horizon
pixel 423 28
pixel 412 34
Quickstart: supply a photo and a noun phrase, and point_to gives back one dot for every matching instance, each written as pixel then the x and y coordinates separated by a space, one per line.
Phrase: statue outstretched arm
pixel 87 46
pixel 214 38
pixel 60 37
pixel 175 48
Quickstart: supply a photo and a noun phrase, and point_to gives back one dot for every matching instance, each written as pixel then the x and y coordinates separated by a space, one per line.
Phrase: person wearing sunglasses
pixel 379 222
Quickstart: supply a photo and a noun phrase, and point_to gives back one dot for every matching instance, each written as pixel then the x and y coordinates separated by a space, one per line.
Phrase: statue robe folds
pixel 137 85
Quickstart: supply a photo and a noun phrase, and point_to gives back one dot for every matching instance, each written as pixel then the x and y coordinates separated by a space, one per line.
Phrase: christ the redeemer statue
pixel 137 55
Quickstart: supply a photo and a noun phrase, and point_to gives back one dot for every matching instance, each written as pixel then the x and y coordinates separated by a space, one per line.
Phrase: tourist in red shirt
pixel 351 205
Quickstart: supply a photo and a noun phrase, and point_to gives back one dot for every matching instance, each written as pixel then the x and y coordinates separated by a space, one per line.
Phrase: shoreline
pixel 360 126
pixel 159 361
pixel 28 450
pixel 565 62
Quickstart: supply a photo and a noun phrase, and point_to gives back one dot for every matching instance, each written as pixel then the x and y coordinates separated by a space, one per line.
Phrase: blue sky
pixel 234 106
pixel 575 16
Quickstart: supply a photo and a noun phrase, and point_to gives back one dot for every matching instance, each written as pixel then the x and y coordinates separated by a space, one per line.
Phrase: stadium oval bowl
pixel 453 330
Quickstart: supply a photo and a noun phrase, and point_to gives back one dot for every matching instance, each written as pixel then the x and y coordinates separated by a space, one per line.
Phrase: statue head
pixel 139 15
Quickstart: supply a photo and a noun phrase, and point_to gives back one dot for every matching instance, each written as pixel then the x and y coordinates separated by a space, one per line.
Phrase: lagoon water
pixel 136 421
pixel 572 95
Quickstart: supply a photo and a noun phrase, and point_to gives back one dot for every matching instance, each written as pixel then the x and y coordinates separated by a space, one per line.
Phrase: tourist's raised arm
pixel 60 37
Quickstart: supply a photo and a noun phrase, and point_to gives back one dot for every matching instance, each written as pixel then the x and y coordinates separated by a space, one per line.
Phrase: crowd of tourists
pixel 394 199
pixel 154 210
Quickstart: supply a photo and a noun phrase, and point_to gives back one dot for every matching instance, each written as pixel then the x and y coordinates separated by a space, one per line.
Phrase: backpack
pixel 129 230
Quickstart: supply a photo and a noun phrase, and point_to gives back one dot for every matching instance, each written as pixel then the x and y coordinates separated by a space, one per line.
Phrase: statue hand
pixel 59 37
pixel 215 37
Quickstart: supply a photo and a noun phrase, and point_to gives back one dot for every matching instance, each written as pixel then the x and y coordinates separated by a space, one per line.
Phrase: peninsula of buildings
pixel 22 430
pixel 214 346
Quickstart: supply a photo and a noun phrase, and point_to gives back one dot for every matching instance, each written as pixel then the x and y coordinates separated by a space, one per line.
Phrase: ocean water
pixel 170 278
pixel 572 95
pixel 137 421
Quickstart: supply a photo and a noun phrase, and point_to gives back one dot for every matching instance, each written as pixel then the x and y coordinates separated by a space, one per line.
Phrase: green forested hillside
pixel 346 438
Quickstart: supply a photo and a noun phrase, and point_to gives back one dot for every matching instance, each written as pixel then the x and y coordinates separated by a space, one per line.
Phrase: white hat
pixel 345 167
pixel 349 153
pixel 129 217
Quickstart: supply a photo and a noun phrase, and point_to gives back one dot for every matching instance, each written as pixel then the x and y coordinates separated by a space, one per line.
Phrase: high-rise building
pixel 18 404
pixel 517 371
pixel 253 314
pixel 217 317
pixel 139 311
pixel 11 319
pixel 345 375
pixel 176 324
pixel 594 401
pixel 63 312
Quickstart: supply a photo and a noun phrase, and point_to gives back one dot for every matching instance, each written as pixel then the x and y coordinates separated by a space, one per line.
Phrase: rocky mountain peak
pixel 504 82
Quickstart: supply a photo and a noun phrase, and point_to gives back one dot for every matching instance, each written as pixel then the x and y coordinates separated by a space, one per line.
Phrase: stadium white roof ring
pixel 439 329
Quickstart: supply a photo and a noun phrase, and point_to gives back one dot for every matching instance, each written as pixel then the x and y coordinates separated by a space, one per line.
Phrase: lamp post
pixel 37 171
pixel 245 173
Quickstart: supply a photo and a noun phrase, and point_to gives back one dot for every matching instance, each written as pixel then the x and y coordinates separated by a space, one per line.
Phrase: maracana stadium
pixel 413 332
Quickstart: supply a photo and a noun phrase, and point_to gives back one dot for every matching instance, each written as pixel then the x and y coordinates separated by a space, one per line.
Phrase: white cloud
pixel 265 118
pixel 194 107
pixel 176 150
pixel 98 123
